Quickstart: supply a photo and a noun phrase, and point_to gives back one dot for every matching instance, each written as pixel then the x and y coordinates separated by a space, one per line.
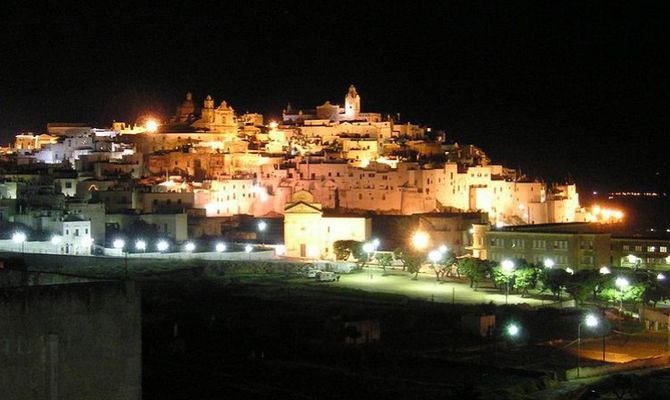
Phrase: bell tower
pixel 352 104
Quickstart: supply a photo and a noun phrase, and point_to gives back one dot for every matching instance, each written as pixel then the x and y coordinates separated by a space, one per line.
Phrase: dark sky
pixel 557 88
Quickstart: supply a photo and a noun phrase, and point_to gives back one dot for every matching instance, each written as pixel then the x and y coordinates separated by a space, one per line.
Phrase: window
pixel 560 244
pixel 496 242
pixel 626 247
pixel 638 248
pixel 663 249
pixel 518 243
pixel 651 249
pixel 539 244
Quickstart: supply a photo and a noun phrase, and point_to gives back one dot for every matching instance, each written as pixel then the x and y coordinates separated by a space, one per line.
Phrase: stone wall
pixel 76 341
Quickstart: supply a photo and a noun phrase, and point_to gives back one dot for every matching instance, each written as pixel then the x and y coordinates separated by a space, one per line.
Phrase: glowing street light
pixel 621 283
pixel 443 249
pixel 420 240
pixel 376 243
pixel 141 245
pixel 660 277
pixel 151 125
pixel 220 247
pixel 162 246
pixel 19 238
pixel 570 271
pixel 591 321
pixel 513 330
pixel 507 267
pixel 369 248
pixel 605 271
pixel 262 225
pixel 435 256
pixel 248 249
pixel 549 263
pixel 190 246
pixel 120 244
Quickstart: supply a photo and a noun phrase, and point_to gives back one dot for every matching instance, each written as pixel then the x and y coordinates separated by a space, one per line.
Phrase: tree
pixel 343 248
pixel 525 277
pixel 360 255
pixel 442 267
pixel 554 279
pixel 473 268
pixel 384 260
pixel 585 282
pixel 410 260
pixel 399 255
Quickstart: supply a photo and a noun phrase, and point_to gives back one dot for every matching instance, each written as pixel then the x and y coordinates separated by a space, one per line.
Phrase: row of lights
pixel 163 246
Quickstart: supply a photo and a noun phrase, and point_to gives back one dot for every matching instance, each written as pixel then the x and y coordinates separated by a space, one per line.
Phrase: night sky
pixel 558 89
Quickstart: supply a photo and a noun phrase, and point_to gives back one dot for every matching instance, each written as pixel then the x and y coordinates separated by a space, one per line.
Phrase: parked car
pixel 326 276
pixel 312 273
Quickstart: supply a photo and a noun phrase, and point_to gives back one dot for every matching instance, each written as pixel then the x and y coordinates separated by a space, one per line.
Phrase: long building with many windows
pixel 574 245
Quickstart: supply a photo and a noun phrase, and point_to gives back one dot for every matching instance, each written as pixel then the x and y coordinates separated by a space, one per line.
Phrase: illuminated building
pixel 576 245
pixel 308 234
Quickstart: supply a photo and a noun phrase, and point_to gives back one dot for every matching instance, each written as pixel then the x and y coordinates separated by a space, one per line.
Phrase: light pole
pixel 435 256
pixel 621 283
pixel 591 321
pixel 247 249
pixel 190 246
pixel 220 248
pixel 19 238
pixel 549 263
pixel 368 248
pixel 507 267
pixel 262 225
pixel 121 244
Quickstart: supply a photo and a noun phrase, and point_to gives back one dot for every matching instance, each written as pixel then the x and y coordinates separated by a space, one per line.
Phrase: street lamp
pixel 621 283
pixel 605 271
pixel 190 246
pixel 512 330
pixel 262 225
pixel 19 238
pixel 141 245
pixel 507 267
pixel 549 263
pixel 420 240
pixel 434 256
pixel 220 247
pixel 660 277
pixel 120 244
pixel 443 249
pixel 376 243
pixel 248 249
pixel 591 321
pixel 162 246
pixel 368 248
